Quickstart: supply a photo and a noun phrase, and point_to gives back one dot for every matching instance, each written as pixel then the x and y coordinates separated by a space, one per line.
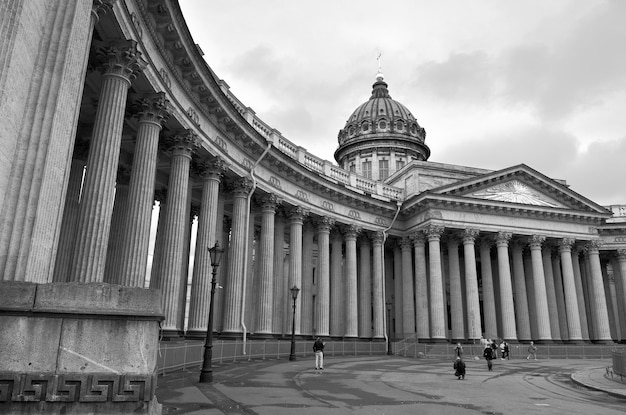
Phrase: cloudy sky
pixel 494 83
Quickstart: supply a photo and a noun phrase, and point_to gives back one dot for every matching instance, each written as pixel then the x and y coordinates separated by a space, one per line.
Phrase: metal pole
pixel 206 374
pixel 292 354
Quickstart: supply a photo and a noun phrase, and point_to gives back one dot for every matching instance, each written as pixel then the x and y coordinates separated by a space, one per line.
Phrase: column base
pixel 172 335
pixel 604 341
pixel 575 341
pixel 195 334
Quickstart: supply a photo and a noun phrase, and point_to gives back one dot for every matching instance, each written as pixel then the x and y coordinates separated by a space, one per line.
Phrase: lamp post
pixel 388 304
pixel 206 374
pixel 294 294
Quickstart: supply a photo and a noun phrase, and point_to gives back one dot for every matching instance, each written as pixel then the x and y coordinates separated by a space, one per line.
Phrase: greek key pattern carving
pixel 75 387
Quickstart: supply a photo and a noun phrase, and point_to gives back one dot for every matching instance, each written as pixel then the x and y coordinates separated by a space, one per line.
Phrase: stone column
pixel 619 272
pixel 580 294
pixel 539 282
pixel 151 111
pixel 233 289
pixel 601 316
pixel 322 299
pixel 43 61
pixel 182 147
pixel 296 220
pixel 67 236
pixel 437 311
pixel 365 288
pixel 456 291
pixel 408 309
pixel 421 287
pixel 489 300
pixel 530 292
pixel 509 329
pixel 224 224
pixel 560 298
pixel 210 171
pixel 472 298
pixel 265 291
pixel 121 61
pixel 337 311
pixel 160 196
pixel 611 298
pixel 278 279
pixel 397 288
pixel 306 314
pixel 378 302
pixel 351 304
pixel 118 228
pixel 521 298
pixel 546 256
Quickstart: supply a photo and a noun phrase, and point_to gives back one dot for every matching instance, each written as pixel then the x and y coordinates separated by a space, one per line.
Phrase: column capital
pixel 211 168
pixel 405 243
pixel 503 238
pixel 378 238
pixel 297 214
pixel 418 238
pixel 434 232
pixel 351 231
pixel 469 235
pixel 325 224
pixel 593 246
pixel 119 58
pixel 565 244
pixel 621 255
pixel 99 7
pixel 535 241
pixel 184 143
pixel 241 187
pixel 270 202
pixel 151 108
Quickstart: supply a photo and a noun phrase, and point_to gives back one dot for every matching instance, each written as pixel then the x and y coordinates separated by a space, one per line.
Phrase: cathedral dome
pixel 378 127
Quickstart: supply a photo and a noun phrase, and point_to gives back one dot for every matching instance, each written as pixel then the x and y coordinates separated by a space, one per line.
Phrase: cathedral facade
pixel 111 113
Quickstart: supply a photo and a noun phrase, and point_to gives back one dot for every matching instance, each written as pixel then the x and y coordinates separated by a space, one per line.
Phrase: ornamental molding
pixel 75 387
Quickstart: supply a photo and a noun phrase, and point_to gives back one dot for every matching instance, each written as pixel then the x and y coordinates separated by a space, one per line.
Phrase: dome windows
pixel 365 126
pixel 414 129
pixel 399 125
pixel 382 125
pixel 351 131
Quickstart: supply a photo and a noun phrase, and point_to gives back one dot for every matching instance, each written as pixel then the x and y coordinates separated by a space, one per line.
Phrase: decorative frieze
pixel 75 387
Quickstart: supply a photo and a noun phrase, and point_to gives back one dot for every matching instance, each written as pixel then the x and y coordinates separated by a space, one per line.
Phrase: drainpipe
pixel 270 141
pixel 399 205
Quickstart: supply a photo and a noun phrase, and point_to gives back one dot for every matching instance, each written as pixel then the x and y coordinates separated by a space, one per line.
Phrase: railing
pixel 188 353
pixel 309 160
pixel 619 363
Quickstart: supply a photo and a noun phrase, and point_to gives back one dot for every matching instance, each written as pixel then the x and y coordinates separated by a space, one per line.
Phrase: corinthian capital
pixel 324 224
pixel 434 232
pixel 210 168
pixel 565 244
pixel 153 108
pixel 184 143
pixel 351 231
pixel 469 235
pixel 535 241
pixel 593 246
pixel 120 58
pixel 502 239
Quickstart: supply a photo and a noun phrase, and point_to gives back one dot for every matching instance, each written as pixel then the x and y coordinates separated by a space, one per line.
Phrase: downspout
pixel 382 264
pixel 270 141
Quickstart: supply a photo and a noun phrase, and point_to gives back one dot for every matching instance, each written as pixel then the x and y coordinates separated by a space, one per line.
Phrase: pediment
pixel 516 191
pixel 520 185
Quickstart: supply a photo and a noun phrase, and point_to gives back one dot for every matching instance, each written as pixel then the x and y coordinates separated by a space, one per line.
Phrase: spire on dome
pixel 379 74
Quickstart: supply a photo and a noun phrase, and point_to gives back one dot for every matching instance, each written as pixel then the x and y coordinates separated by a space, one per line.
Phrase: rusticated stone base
pixel 72 348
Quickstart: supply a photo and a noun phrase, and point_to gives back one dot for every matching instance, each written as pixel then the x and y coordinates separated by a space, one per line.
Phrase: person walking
pixel 459 368
pixel 318 349
pixel 532 351
pixel 488 355
pixel 458 350
pixel 505 351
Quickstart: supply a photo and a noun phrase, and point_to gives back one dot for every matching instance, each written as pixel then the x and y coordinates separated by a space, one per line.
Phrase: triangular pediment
pixel 516 191
pixel 520 185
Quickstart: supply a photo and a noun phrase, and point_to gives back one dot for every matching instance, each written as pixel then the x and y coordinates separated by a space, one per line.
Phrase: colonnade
pixel 516 287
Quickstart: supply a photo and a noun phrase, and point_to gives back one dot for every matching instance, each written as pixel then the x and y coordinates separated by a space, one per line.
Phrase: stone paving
pixel 396 385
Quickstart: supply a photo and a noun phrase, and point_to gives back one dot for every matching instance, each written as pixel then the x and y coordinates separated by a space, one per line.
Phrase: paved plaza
pixel 397 385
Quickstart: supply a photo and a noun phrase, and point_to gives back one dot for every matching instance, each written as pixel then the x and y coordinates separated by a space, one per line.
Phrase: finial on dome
pixel 379 74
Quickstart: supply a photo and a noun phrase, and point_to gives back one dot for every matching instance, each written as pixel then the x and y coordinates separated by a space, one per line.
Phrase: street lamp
pixel 294 294
pixel 206 374
pixel 388 304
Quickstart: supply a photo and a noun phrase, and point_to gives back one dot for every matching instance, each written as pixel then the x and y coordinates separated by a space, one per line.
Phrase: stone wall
pixel 78 348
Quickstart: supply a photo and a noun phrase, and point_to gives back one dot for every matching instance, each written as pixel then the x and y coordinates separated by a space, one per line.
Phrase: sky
pixel 494 83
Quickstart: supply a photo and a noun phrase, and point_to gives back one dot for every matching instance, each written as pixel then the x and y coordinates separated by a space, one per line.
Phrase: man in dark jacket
pixel 459 368
pixel 488 355
pixel 318 349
